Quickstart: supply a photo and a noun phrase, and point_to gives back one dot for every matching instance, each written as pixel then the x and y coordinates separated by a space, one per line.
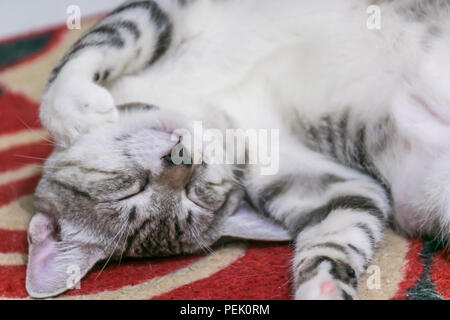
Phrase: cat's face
pixel 116 192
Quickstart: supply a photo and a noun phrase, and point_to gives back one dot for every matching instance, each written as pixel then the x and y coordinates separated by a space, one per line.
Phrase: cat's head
pixel 116 192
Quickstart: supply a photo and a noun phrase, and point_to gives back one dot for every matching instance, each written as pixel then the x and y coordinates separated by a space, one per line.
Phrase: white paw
pixel 72 107
pixel 323 286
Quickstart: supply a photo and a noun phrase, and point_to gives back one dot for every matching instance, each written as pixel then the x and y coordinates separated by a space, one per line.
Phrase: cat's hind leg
pixel 331 255
pixel 336 215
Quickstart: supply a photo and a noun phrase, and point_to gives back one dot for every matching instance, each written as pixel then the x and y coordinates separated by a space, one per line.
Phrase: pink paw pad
pixel 327 287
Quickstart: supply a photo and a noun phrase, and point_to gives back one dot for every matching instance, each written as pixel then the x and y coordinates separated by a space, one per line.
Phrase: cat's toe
pixel 327 287
pixel 326 290
pixel 72 108
pixel 325 284
pixel 96 99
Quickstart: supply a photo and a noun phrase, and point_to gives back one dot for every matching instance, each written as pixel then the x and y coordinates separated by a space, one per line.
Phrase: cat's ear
pixel 246 223
pixel 55 266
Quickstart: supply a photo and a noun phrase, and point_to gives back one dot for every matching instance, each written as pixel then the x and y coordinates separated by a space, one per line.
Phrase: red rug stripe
pixel 412 269
pixel 21 112
pixel 115 276
pixel 12 282
pixel 132 272
pixel 19 188
pixel 15 158
pixel 262 274
pixel 439 268
pixel 13 241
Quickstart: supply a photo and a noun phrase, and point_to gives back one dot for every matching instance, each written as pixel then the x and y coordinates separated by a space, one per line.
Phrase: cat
pixel 362 117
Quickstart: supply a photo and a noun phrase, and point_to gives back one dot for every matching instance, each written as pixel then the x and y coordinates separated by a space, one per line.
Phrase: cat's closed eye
pixel 143 186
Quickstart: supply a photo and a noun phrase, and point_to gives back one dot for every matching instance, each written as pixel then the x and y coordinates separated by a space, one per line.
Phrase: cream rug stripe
pixel 13 259
pixel 22 173
pixel 389 261
pixel 9 141
pixel 17 215
pixel 202 269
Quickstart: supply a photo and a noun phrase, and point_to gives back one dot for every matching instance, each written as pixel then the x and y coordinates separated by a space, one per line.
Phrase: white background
pixel 19 16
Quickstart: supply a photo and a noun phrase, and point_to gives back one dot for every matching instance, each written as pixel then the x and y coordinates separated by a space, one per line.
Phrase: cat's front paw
pixel 74 107
pixel 328 280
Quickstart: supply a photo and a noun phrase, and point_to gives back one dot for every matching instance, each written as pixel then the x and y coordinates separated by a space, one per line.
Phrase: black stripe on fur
pixel 354 202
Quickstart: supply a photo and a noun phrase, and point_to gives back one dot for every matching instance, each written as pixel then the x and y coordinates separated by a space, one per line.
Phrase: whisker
pixel 121 255
pixel 121 232
pixel 29 157
pixel 51 142
pixel 203 246
pixel 30 128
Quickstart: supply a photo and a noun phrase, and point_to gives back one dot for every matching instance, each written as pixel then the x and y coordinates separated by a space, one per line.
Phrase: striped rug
pixel 403 269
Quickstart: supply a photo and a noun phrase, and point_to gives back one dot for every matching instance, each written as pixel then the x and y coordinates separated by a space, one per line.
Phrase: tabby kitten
pixel 362 116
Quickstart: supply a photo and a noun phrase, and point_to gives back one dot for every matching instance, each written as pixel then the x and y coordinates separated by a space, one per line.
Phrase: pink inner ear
pixel 42 253
pixel 43 245
pixel 41 228
pixel 49 259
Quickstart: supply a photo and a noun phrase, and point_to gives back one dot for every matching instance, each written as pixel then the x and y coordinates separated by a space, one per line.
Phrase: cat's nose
pixel 175 177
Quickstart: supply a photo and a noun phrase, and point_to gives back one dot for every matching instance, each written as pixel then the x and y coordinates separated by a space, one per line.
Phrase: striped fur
pixel 336 220
pixel 113 33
